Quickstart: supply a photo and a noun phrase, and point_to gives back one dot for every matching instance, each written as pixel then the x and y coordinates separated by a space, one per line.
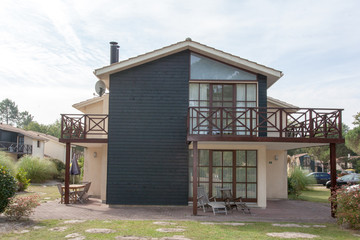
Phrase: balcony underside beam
pixel 262 139
pixel 94 140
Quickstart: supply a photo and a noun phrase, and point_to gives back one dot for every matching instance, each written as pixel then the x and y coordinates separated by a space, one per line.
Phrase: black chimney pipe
pixel 114 52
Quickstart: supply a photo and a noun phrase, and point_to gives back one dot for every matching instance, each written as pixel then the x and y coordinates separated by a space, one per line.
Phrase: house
pixel 52 148
pixel 305 162
pixel 187 115
pixel 17 142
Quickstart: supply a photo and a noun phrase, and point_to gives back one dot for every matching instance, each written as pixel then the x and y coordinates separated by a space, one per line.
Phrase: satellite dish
pixel 100 88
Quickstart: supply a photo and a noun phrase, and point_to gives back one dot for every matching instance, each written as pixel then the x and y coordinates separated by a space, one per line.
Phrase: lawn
pixel 314 194
pixel 46 193
pixel 58 229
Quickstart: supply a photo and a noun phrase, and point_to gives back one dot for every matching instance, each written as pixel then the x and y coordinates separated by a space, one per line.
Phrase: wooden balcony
pixel 265 124
pixel 89 128
pixel 15 148
pixel 228 124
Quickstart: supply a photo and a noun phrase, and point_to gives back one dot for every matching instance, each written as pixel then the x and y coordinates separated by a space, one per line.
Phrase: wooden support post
pixel 67 172
pixel 195 179
pixel 333 176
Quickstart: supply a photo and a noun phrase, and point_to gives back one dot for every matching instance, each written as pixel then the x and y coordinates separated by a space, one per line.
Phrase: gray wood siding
pixel 147 149
pixel 262 88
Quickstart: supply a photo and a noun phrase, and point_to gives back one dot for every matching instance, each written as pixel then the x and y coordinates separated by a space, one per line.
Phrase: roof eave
pixel 272 74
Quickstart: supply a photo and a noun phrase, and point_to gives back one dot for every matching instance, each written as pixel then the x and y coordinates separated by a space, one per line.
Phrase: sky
pixel 49 49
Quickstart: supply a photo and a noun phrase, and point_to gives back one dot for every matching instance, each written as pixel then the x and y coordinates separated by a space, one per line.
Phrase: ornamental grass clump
pixel 7 187
pixel 21 206
pixel 38 170
pixel 298 182
pixel 7 162
pixel 347 202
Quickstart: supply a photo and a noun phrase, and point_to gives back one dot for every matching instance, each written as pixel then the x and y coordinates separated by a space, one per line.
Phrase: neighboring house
pixel 53 148
pixel 18 142
pixel 305 162
pixel 188 115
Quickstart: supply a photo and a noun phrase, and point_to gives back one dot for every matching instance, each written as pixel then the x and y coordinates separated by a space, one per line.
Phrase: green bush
pixel 7 187
pixel 7 162
pixel 22 181
pixel 298 182
pixel 38 170
pixel 347 204
pixel 60 166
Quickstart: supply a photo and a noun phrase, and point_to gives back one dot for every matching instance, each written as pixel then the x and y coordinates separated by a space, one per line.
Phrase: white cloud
pixel 50 48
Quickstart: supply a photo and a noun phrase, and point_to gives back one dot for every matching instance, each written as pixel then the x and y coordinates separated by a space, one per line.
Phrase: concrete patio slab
pixel 276 211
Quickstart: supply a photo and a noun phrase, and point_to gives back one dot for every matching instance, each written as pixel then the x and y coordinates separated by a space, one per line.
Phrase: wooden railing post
pixel 62 125
pixel 311 124
pixel 86 118
pixel 340 124
pixel 251 122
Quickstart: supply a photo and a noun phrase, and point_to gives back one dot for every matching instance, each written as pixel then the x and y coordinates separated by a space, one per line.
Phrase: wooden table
pixel 75 188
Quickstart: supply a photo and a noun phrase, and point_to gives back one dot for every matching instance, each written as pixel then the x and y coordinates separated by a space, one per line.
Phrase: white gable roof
pixel 272 74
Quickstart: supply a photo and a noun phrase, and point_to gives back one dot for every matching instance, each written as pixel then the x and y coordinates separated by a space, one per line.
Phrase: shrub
pixel 7 187
pixel 21 206
pixel 38 170
pixel 298 182
pixel 22 181
pixel 60 166
pixel 7 162
pixel 348 207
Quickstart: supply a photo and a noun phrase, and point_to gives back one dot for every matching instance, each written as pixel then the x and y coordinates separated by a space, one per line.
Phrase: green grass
pixel 46 193
pixel 194 230
pixel 315 194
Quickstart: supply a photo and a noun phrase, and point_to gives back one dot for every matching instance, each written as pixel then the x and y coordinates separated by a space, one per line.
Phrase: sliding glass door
pixel 233 169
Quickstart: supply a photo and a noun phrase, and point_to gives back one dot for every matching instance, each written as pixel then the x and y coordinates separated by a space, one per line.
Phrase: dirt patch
pixel 292 235
pixel 175 237
pixel 18 226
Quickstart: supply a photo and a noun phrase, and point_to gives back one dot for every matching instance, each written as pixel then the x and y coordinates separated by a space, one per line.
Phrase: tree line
pixel 10 114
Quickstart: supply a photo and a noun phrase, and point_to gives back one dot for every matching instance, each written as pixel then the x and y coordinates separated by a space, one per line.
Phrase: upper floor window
pixel 203 68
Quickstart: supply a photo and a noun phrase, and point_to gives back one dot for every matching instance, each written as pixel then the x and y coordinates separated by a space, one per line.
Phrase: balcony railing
pixel 16 148
pixel 227 123
pixel 265 122
pixel 84 127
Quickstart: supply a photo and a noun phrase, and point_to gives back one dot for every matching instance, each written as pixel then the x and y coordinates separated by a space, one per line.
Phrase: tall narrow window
pixel 38 143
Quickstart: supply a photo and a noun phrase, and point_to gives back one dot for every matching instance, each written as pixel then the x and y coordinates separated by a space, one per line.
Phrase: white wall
pixel 55 150
pixel 276 174
pixel 95 169
pixel 36 151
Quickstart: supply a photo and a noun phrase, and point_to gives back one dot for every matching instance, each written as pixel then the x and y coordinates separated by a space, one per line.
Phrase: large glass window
pixel 217 169
pixel 203 68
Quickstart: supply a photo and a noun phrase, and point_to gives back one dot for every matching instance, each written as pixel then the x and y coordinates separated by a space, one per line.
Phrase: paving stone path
pixel 75 236
pixel 169 230
pixel 100 230
pixel 58 229
pixel 297 225
pixel 292 235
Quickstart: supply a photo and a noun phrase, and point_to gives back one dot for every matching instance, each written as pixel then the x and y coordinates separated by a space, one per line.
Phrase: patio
pixel 276 211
